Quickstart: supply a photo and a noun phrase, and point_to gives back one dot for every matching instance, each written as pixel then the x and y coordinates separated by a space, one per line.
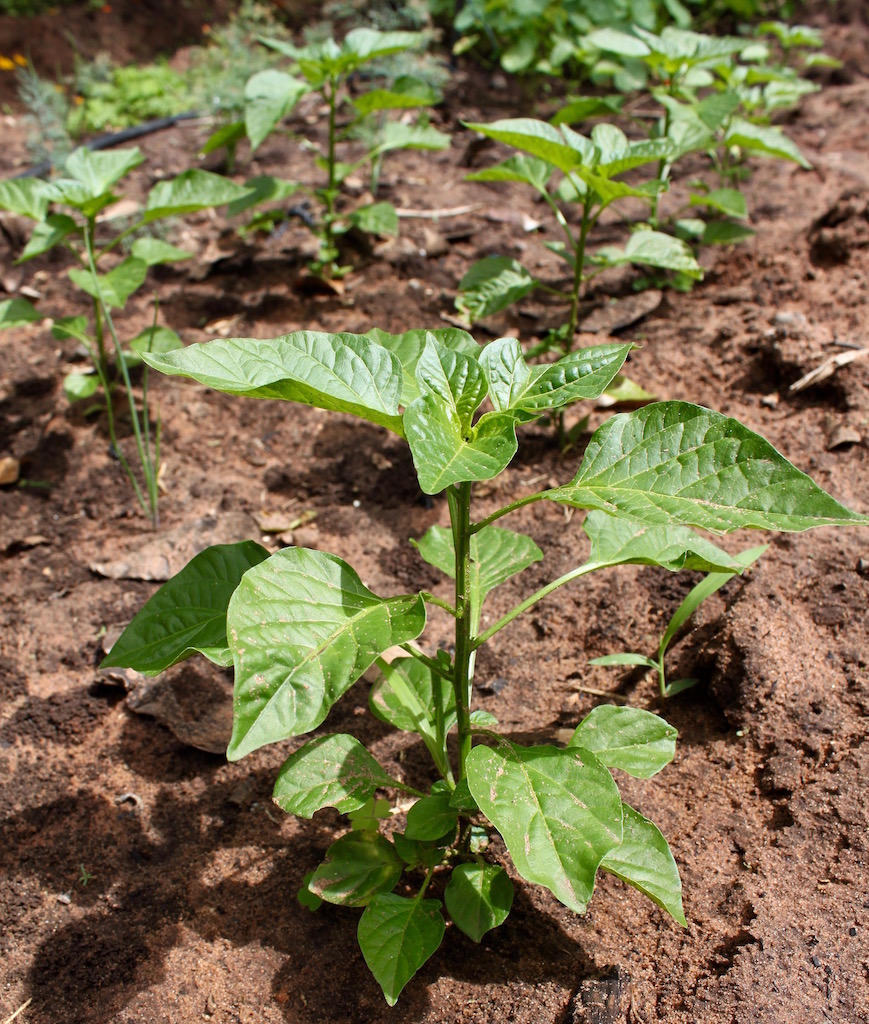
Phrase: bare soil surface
pixel 148 880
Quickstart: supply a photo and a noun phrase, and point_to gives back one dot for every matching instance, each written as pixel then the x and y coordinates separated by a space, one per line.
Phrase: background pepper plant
pixel 300 627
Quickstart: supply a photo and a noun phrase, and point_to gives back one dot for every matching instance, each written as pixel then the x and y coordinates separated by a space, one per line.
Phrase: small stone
pixel 863 567
pixel 816 962
pixel 771 400
pixel 852 932
pixel 10 470
pixel 306 537
pixel 243 792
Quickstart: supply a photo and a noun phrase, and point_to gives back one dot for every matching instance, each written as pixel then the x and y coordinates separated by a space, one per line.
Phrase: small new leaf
pixel 478 898
pixel 634 740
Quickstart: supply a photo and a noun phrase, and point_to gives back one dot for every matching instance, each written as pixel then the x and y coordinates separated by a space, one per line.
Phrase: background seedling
pixel 300 627
pixel 67 214
pixel 709 585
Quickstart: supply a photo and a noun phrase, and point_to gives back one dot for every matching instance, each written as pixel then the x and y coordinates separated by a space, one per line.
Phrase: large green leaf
pixel 27 196
pixel 16 313
pixel 396 135
pixel 115 287
pixel 620 541
pixel 358 866
pixel 155 250
pixel 539 138
pixel 406 695
pixel 645 862
pixel 559 812
pixel 496 555
pixel 444 453
pixel 268 97
pixel 99 170
pixel 190 191
pixel 478 898
pixel 654 249
pixel 397 936
pixel 406 92
pixel 330 771
pixel 48 234
pixel 431 817
pixel 528 169
pixel 767 139
pixel 151 339
pixel 340 372
pixel 369 43
pixel 302 629
pixel 531 391
pixel 634 740
pixel 263 189
pixel 493 284
pixel 677 463
pixel 409 346
pixel 188 613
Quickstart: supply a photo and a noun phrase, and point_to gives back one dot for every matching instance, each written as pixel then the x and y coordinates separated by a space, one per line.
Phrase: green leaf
pixel 496 555
pixel 645 862
pixel 397 936
pixel 634 740
pixel 409 346
pixel 405 696
pixel 676 463
pixel 339 372
pixel 612 40
pixel 396 135
pixel 444 453
pixel 539 138
pixel 528 169
pixel 99 170
pixel 16 313
pixel 263 189
pixel 654 249
pixel 431 817
pixel 766 139
pixel 493 284
pixel 303 629
pixel 152 339
pixel 406 92
pixel 268 97
pixel 48 234
pixel 706 588
pixel 530 391
pixel 725 232
pixel 369 44
pixel 26 196
pixel 115 287
pixel 478 898
pixel 79 386
pixel 330 771
pixel 71 327
pixel 729 201
pixel 581 108
pixel 358 866
pixel 188 613
pixel 559 812
pixel 228 135
pixel 153 251
pixel 622 541
pixel 379 219
pixel 189 192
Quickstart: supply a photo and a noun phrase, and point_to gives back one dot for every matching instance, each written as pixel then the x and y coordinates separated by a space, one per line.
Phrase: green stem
pixel 430 663
pixel 578 272
pixel 459 498
pixel 331 191
pixel 529 602
pixel 507 509
pixel 439 602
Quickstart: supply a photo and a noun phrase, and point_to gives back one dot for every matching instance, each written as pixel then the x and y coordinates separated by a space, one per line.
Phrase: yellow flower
pixel 20 60
pixel 6 64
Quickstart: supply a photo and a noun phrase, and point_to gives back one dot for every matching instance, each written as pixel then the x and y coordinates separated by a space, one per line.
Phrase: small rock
pixel 493 686
pixel 243 792
pixel 863 567
pixel 843 436
pixel 771 400
pixel 306 537
pixel 10 470
pixel 434 243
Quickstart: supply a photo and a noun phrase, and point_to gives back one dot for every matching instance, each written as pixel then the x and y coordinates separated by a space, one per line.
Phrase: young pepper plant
pixel 591 170
pixel 300 628
pixel 68 212
pixel 325 68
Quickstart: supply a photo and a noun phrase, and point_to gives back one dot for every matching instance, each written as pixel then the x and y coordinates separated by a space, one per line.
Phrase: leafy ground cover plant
pixel 591 176
pixel 709 585
pixel 325 67
pixel 300 627
pixel 67 214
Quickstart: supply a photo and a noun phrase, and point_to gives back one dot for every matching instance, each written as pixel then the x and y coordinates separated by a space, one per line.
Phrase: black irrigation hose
pixel 115 139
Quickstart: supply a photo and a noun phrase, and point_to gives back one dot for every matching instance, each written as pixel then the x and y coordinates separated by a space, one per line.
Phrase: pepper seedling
pixel 300 628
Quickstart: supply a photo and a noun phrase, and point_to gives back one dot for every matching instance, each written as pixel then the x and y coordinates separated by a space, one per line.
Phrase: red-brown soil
pixel 190 910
